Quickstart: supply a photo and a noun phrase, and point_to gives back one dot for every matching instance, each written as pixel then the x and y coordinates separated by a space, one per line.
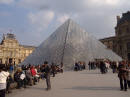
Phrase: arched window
pixel 127 30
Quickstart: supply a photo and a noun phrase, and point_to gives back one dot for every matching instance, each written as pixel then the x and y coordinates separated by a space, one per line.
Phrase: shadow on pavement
pixel 37 88
pixel 91 73
pixel 95 88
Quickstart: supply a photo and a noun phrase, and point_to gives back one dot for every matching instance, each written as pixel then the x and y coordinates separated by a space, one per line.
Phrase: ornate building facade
pixel 120 43
pixel 11 52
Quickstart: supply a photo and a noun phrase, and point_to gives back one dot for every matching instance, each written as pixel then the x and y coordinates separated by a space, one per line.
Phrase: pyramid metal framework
pixel 69 44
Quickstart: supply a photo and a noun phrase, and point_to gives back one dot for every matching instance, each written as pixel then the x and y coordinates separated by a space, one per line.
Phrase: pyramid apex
pixel 69 19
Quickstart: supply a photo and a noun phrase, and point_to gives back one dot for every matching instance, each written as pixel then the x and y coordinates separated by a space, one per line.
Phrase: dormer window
pixel 127 30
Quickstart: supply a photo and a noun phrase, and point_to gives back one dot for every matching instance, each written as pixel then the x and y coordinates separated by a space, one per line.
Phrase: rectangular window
pixel 128 46
pixel 0 61
pixel 128 56
pixel 19 60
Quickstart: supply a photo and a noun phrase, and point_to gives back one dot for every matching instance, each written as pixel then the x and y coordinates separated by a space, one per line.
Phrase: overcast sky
pixel 32 21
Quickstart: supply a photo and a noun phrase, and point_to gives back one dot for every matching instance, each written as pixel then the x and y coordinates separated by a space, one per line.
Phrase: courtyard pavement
pixel 76 84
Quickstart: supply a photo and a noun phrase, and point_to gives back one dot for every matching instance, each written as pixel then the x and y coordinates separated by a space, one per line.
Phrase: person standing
pixel 3 77
pixel 33 72
pixel 61 67
pixel 53 68
pixel 102 67
pixel 122 74
pixel 47 71
pixel 11 70
pixel 128 79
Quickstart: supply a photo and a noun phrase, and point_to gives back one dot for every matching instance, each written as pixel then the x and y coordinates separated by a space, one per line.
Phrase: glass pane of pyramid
pixel 69 44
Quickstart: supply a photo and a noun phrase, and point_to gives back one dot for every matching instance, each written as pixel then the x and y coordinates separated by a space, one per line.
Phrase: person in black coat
pixel 47 71
pixel 102 67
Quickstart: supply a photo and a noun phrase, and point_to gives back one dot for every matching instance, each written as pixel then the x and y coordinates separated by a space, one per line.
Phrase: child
pixel 3 77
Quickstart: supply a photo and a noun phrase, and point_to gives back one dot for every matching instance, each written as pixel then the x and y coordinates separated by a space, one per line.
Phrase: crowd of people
pixel 26 75
pixel 122 68
pixel 79 66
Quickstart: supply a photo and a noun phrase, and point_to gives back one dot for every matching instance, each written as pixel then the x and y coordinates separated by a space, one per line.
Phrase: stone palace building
pixel 120 43
pixel 11 52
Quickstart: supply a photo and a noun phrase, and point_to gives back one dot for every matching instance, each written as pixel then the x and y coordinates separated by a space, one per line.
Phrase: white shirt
pixel 3 76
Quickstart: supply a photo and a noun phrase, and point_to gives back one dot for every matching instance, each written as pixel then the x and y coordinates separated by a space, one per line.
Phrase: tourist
pixel 17 78
pixel 3 77
pixel 61 67
pixel 122 68
pixel 114 67
pixel 107 65
pixel 47 74
pixel 9 81
pixel 84 65
pixel 33 72
pixel 11 70
pixel 29 77
pixel 128 79
pixel 76 67
pixel 37 77
pixel 81 66
pixel 23 79
pixel 53 69
pixel 89 65
pixel 42 72
pixel 102 67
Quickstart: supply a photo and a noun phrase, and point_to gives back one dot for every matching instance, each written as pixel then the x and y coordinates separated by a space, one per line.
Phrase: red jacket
pixel 33 72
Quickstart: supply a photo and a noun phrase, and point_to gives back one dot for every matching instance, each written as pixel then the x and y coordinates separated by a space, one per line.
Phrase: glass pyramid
pixel 69 44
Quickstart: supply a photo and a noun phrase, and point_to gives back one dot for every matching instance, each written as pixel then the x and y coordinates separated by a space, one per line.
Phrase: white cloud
pixel 41 19
pixel 105 2
pixel 6 1
pixel 112 2
pixel 97 16
pixel 63 18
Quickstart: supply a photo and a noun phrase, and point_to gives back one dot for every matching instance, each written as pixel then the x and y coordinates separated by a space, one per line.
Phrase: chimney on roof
pixel 3 36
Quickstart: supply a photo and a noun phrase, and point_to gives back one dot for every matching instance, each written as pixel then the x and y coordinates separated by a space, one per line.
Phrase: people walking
pixel 123 75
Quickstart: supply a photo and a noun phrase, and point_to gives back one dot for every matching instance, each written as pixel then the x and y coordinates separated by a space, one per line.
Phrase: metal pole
pixel 62 58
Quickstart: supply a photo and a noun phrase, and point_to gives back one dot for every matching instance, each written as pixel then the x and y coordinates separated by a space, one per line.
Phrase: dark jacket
pixel 122 71
pixel 46 71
